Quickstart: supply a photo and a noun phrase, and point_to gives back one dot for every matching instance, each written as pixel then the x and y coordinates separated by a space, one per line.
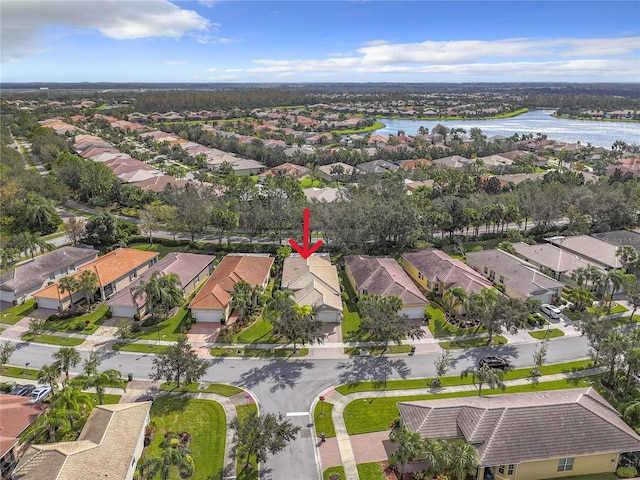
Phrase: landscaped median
pixel 256 352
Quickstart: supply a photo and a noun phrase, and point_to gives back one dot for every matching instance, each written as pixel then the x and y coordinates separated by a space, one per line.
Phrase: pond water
pixel 597 133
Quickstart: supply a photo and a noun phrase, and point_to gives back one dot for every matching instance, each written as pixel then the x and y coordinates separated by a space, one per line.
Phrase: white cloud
pixel 513 58
pixel 173 62
pixel 21 21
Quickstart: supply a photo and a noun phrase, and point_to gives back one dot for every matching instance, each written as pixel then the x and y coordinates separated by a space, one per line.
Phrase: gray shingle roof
pixel 590 248
pixel 34 273
pixel 520 427
pixel 551 257
pixel 385 277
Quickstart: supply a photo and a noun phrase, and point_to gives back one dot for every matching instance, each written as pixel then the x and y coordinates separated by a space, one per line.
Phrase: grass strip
pixel 13 315
pixel 140 347
pixel 391 349
pixel 473 342
pixel 543 334
pixel 371 471
pixel 219 388
pixel 52 339
pixel 258 352
pixel 322 419
pixel 333 471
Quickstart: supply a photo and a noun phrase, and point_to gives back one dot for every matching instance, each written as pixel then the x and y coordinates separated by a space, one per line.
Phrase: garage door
pixel 207 315
pixel 123 311
pixel 329 317
pixel 7 296
pixel 51 303
pixel 415 312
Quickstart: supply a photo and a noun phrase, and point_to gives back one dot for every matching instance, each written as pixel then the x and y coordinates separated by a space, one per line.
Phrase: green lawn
pixel 616 308
pixel 542 334
pixel 85 324
pixel 162 249
pixel 140 347
pixel 107 398
pixel 473 342
pixel 52 339
pixel 204 420
pixel 219 388
pixel 457 380
pixel 259 331
pixel 13 315
pixel 391 349
pixel 308 182
pixel 329 471
pixel 377 414
pixel 371 471
pixel 324 423
pixel 20 372
pixel 168 329
pixel 258 352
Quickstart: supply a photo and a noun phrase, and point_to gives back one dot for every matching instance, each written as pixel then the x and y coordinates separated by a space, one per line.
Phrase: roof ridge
pixel 496 427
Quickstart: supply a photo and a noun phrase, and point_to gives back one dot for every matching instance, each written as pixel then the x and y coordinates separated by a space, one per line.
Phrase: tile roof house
pixel 436 271
pixel 531 436
pixel 109 446
pixel 620 238
pixel 213 301
pixel 327 171
pixel 115 271
pixel 518 278
pixel 314 282
pixel 20 283
pixel 158 183
pixel 286 169
pixel 17 414
pixel 377 167
pixel 324 194
pixel 589 248
pixel 385 277
pixel 561 262
pixel 191 269
pixel 455 161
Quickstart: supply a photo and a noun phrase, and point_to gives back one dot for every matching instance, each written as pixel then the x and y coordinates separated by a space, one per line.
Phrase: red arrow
pixel 305 251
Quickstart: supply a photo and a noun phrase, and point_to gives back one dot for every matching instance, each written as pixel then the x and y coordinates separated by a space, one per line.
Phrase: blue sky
pixel 319 41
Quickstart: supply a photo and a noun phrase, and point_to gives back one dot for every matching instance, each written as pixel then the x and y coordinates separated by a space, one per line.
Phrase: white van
pixel 551 311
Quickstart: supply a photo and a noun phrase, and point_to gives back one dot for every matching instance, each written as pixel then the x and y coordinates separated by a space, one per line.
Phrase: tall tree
pixel 379 317
pixel 87 285
pixel 464 459
pixel 173 455
pixel 241 298
pixel 67 357
pixel 409 447
pixel 29 242
pixel 179 364
pixel 484 375
pixel 39 215
pixel 160 293
pixel 297 323
pixel 260 435
pixel 6 350
pixel 49 374
pixel 101 381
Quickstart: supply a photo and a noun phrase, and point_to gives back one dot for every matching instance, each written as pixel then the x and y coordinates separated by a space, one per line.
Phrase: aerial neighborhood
pixel 192 287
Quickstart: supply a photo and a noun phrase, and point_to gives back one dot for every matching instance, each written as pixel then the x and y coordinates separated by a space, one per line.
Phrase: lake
pixel 597 133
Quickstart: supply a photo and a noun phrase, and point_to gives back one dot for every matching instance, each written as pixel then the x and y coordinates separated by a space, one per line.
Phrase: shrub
pixel 108 315
pixel 150 321
pixel 136 317
pixel 335 476
pixel 5 387
pixel 78 326
pixel 627 472
pixel 52 318
pixel 136 327
pixel 435 383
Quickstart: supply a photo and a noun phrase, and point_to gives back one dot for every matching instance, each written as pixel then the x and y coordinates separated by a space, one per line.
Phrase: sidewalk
pixel 347 446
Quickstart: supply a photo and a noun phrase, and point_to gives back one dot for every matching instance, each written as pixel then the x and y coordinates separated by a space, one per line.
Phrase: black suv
pixel 494 362
pixel 23 390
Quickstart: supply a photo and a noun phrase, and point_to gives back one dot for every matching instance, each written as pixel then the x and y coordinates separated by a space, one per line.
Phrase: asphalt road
pixel 290 386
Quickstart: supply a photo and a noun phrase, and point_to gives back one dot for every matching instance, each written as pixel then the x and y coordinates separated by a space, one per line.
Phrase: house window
pixel 52 276
pixel 486 270
pixel 197 278
pixel 511 469
pixel 492 275
pixel 420 276
pixel 133 275
pixel 501 469
pixel 501 279
pixel 565 465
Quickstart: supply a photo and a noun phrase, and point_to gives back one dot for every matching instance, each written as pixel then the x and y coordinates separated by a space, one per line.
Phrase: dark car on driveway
pixel 23 390
pixel 494 362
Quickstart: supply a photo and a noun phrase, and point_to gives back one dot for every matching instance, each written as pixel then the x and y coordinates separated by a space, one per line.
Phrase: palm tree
pixel 463 459
pixel 453 300
pixel 40 214
pixel 51 421
pixel 101 381
pixel 49 374
pixel 436 454
pixel 91 364
pixel 29 242
pixel 67 285
pixel 66 358
pixel 628 256
pixel 409 447
pixel 173 455
pixel 241 298
pixel 87 285
pixel 482 375
pixel 581 298
pixel 161 293
pixel 74 401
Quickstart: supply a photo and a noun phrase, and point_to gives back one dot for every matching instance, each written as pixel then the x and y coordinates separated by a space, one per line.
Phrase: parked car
pixel 40 394
pixel 23 390
pixel 494 362
pixel 551 311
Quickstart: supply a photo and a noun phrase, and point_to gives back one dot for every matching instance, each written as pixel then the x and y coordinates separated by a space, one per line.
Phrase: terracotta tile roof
pixel 216 293
pixel 507 429
pixel 437 266
pixel 105 447
pixel 109 267
pixel 385 277
pixel 16 414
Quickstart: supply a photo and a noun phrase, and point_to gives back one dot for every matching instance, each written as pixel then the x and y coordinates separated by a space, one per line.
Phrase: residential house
pixel 589 248
pixel 324 194
pixel 620 238
pixel 559 263
pixel 377 167
pixel 213 301
pixel 454 161
pixel 17 414
pixel 330 173
pixel 413 164
pixel 109 446
pixel 286 169
pixel 495 163
pixel 20 283
pixel 115 271
pixel 518 278
pixel 158 183
pixel 191 269
pixel 529 436
pixel 314 282
pixel 383 276
pixel 437 272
